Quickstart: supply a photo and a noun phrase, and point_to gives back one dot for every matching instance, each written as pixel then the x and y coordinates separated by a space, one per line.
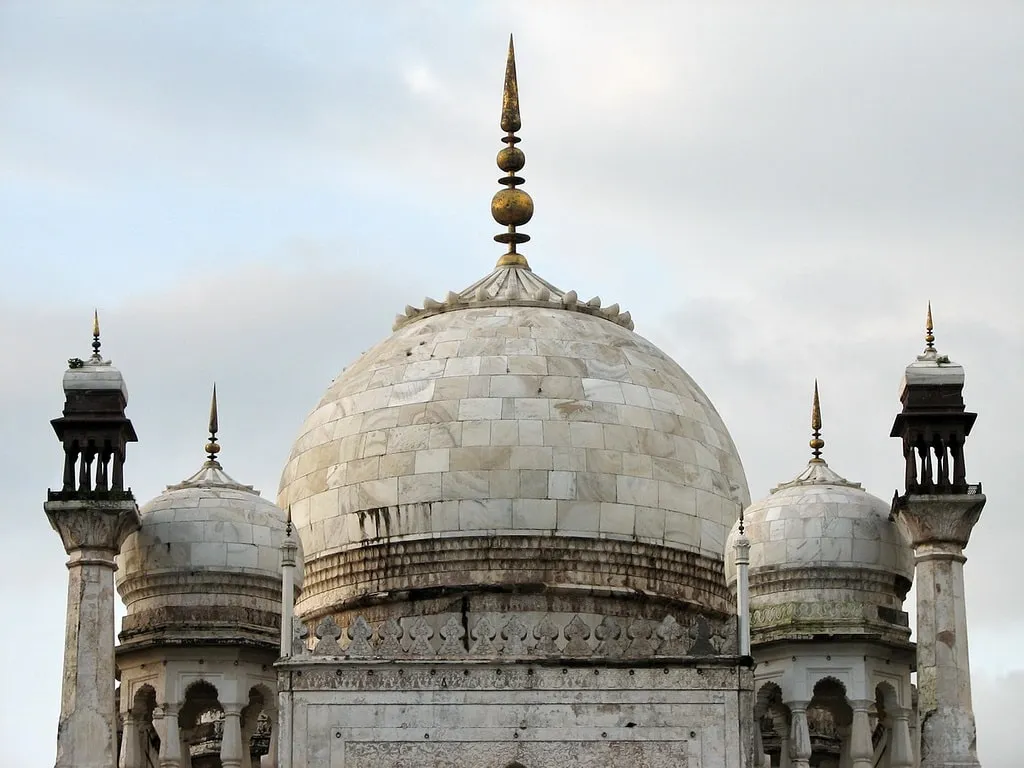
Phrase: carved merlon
pixel 96 525
pixel 517 635
pixel 938 519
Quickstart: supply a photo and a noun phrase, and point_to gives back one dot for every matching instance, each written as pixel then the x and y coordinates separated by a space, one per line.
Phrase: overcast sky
pixel 249 192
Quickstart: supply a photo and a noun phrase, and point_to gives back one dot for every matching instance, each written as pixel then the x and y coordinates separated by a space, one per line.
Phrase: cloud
pixel 250 195
pixel 272 339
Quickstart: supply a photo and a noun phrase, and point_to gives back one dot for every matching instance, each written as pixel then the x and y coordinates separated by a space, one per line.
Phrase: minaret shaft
pixel 938 511
pixel 93 514
pixel 939 527
pixel 92 533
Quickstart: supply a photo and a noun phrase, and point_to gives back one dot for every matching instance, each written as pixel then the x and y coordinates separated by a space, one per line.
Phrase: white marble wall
pixel 514 420
pixel 492 715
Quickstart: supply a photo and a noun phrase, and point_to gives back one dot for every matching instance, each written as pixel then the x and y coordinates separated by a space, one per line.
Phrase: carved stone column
pixel 170 738
pixel 782 729
pixel 799 735
pixel 939 527
pixel 232 751
pixel 844 746
pixel 92 533
pixel 248 730
pixel 130 757
pixel 862 752
pixel 901 749
pixel 270 759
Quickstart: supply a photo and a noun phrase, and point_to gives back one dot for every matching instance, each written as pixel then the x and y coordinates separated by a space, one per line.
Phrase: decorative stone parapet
pixel 515 635
pixel 507 287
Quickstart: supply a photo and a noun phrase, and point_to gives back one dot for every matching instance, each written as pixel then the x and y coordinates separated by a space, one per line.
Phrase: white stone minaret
pixel 938 510
pixel 93 513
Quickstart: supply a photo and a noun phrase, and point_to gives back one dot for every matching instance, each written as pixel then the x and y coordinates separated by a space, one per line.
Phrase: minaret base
pixel 948 739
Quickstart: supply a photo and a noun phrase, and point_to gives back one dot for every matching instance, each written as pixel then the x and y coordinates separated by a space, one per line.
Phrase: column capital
pixel 939 518
pixel 797 706
pixel 100 526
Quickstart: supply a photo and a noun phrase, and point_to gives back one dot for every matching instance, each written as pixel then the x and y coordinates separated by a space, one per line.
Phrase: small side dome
pixel 94 374
pixel 825 558
pixel 206 563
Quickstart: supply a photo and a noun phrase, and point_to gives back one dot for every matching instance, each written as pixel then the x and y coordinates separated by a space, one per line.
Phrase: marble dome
pixel 513 434
pixel 206 560
pixel 824 551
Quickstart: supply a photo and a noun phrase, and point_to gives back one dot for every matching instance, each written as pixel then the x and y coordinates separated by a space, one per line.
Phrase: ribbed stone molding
pixel 864 601
pixel 385 570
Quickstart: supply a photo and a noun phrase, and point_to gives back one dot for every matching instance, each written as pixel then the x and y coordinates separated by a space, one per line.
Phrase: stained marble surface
pixel 514 419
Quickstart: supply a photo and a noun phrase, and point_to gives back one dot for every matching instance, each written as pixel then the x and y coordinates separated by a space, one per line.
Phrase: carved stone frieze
pixel 502 754
pixel 524 635
pixel 312 673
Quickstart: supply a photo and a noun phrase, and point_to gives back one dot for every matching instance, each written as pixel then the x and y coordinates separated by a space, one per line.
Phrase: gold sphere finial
pixel 511 207
pixel 929 336
pixel 212 449
pixel 96 333
pixel 816 442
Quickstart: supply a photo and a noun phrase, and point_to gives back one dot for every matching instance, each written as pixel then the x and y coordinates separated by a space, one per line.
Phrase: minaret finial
pixel 511 207
pixel 212 449
pixel 288 522
pixel 96 334
pixel 929 337
pixel 816 442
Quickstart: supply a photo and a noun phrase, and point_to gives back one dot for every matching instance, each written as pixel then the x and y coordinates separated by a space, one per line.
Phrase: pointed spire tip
pixel 96 333
pixel 929 336
pixel 511 207
pixel 212 448
pixel 816 442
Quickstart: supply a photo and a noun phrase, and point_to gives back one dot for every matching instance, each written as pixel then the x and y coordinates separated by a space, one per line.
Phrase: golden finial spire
pixel 929 337
pixel 212 449
pixel 816 442
pixel 511 207
pixel 96 333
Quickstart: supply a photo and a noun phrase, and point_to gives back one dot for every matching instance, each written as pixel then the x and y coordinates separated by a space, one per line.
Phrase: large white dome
pixel 492 436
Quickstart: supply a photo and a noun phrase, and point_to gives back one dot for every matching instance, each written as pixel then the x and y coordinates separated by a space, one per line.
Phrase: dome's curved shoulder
pixel 822 519
pixel 504 414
